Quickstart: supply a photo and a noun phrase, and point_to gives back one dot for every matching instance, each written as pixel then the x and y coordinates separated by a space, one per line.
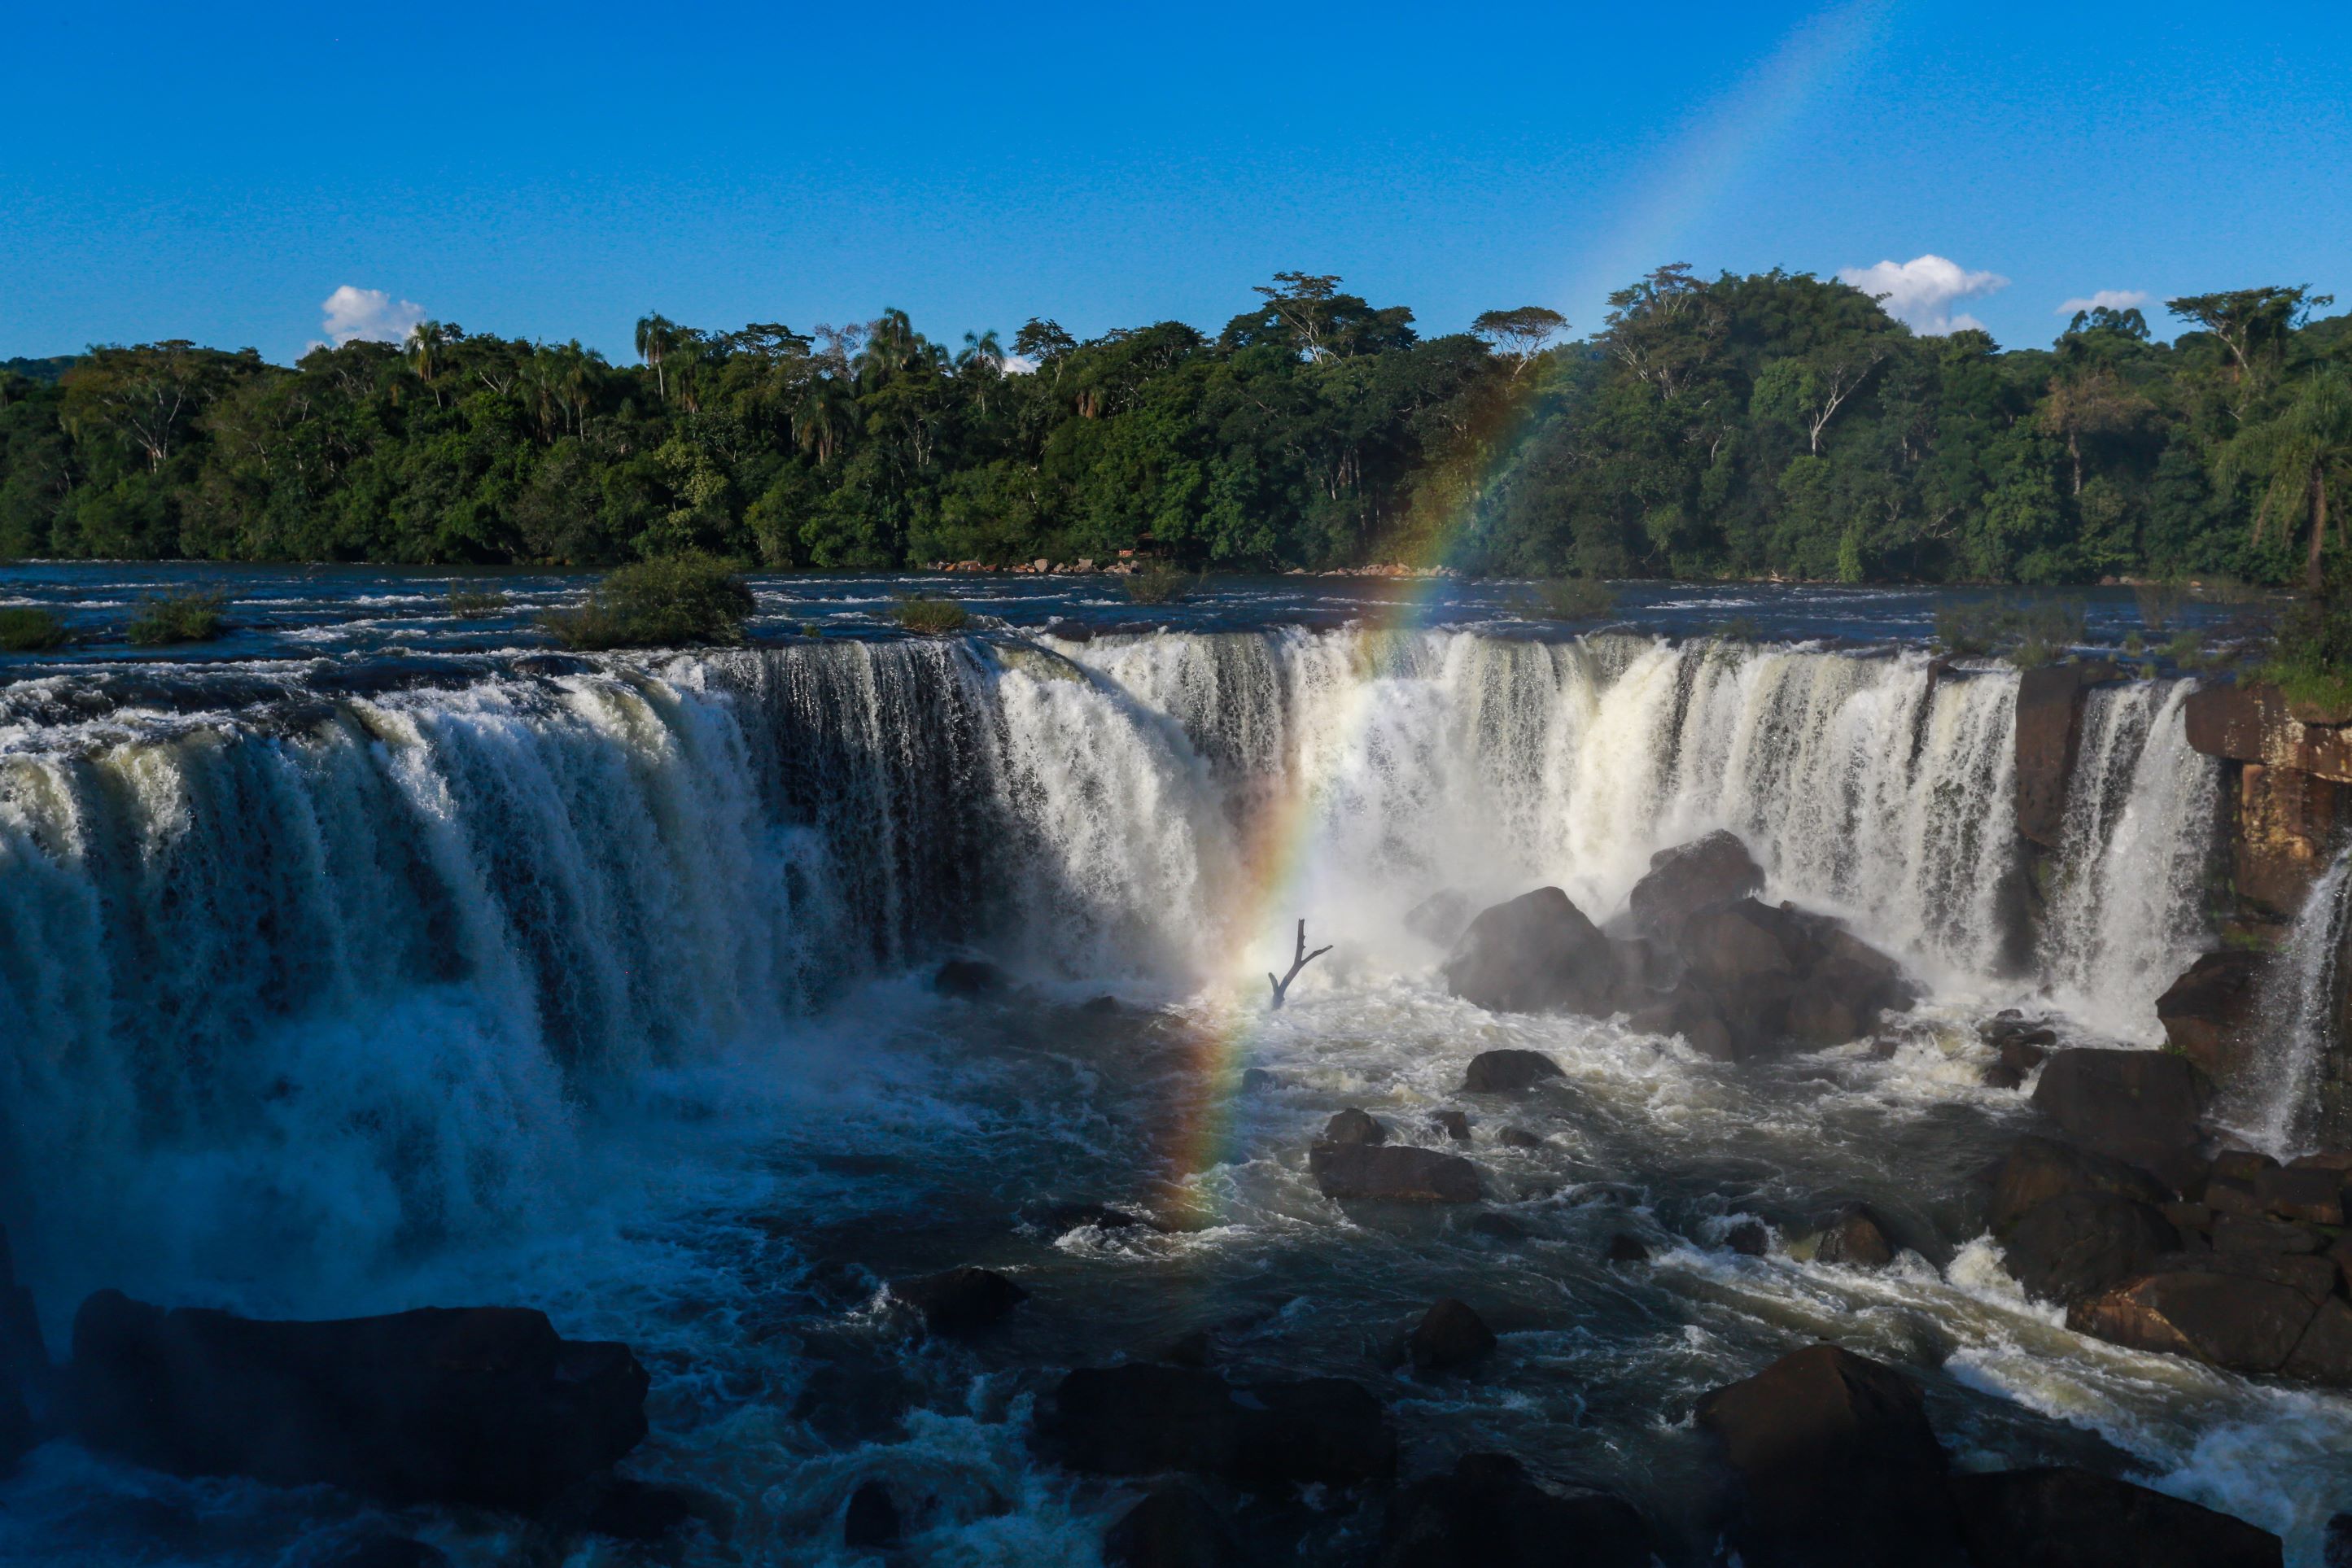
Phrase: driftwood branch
pixel 1298 961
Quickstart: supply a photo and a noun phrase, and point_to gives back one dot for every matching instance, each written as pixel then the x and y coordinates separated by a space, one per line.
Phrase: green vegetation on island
pixel 669 602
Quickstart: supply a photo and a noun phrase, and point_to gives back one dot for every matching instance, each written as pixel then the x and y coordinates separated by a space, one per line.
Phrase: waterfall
pixel 2123 917
pixel 2273 1102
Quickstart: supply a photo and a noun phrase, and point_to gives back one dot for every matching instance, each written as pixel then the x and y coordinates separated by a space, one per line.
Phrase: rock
pixel 2037 1169
pixel 2063 1516
pixel 870 1522
pixel 2323 1354
pixel 2314 1195
pixel 1691 1013
pixel 2209 1010
pixel 1104 1006
pixel 2335 1551
pixel 2080 1243
pixel 1643 971
pixel 1143 1420
pixel 1519 1138
pixel 2138 1105
pixel 2230 1195
pixel 1352 1128
pixel 1487 1513
pixel 1455 1124
pixel 1393 1172
pixel 968 979
pixel 2286 826
pixel 1507 1072
pixel 2226 1319
pixel 1501 1227
pixel 2048 711
pixel 1776 976
pixel 1450 1334
pixel 2245 1166
pixel 2238 1233
pixel 960 1301
pixel 1834 1463
pixel 1061 1219
pixel 1701 875
pixel 1258 1081
pixel 1855 1237
pixel 1440 918
pixel 1173 1527
pixel 1748 1239
pixel 1536 954
pixel 1627 1248
pixel 483 1405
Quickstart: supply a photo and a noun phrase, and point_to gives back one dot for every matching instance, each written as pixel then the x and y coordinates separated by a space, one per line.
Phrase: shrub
pixel 2311 656
pixel 2028 635
pixel 2045 633
pixel 188 615
pixel 931 617
pixel 1576 598
pixel 473 603
pixel 27 629
pixel 1160 583
pixel 669 601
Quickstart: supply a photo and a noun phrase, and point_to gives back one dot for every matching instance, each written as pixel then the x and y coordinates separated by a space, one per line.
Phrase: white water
pixel 2272 1101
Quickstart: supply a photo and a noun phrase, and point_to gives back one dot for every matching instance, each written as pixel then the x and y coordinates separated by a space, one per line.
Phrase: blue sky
pixel 554 172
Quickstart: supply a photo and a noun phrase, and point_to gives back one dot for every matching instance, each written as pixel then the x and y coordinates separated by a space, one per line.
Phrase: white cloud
pixel 1922 291
pixel 1019 365
pixel 370 314
pixel 2106 299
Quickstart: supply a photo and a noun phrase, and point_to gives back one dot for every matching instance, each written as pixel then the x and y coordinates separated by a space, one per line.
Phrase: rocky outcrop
pixel 1536 954
pixel 1833 1461
pixel 2041 1518
pixel 1507 1072
pixel 1690 878
pixel 2208 1012
pixel 2142 1106
pixel 1761 978
pixel 483 1406
pixel 2227 1320
pixel 1449 1335
pixel 1856 1237
pixel 2049 727
pixel 2037 1169
pixel 960 1301
pixel 1487 1513
pixel 2083 1242
pixel 1391 1172
pixel 1142 1420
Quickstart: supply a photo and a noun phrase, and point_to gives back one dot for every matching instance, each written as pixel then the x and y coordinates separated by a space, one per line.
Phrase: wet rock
pixel 871 1520
pixel 1104 1006
pixel 1439 919
pixel 1833 1462
pixel 1257 1081
pixel 2323 1354
pixel 1507 1072
pixel 1644 968
pixel 1519 1138
pixel 1393 1172
pixel 2080 1243
pixel 2044 1518
pixel 1061 1219
pixel 2049 710
pixel 1487 1513
pixel 1450 1334
pixel 2138 1105
pixel 970 979
pixel 1501 1227
pixel 1538 953
pixel 1173 1527
pixel 1692 1014
pixel 1778 977
pixel 2037 1169
pixel 1143 1420
pixel 1856 1237
pixel 2208 1012
pixel 2245 1166
pixel 486 1406
pixel 1627 1248
pixel 960 1301
pixel 1748 1239
pixel 1701 875
pixel 2336 1549
pixel 2239 1233
pixel 2226 1194
pixel 2314 1195
pixel 2225 1319
pixel 1455 1124
pixel 1352 1128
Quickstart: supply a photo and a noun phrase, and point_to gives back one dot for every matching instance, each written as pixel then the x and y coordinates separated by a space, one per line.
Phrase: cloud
pixel 2106 299
pixel 1921 292
pixel 1019 365
pixel 353 315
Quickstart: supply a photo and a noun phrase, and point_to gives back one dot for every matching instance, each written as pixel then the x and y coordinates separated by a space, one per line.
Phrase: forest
pixel 1774 424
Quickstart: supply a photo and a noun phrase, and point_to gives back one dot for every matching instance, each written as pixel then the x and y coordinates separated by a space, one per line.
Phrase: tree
pixel 149 395
pixel 1521 335
pixel 2251 323
pixel 427 341
pixel 2297 456
pixel 658 338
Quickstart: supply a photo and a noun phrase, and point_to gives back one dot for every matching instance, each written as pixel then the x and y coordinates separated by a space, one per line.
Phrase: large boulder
pixel 1507 1072
pixel 2323 1354
pixel 2037 1169
pixel 960 1301
pixel 1683 880
pixel 1855 1236
pixel 2208 1012
pixel 2080 1243
pixel 1487 1513
pixel 1450 1334
pixel 1536 954
pixel 2048 727
pixel 484 1406
pixel 1779 977
pixel 1391 1172
pixel 1833 1461
pixel 1141 1420
pixel 1173 1527
pixel 2143 1106
pixel 2233 1321
pixel 2067 1518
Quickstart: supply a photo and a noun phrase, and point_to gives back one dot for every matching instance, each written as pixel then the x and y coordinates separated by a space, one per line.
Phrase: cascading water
pixel 2272 1101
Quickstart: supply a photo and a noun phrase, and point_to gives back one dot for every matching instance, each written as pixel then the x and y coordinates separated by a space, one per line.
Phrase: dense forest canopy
pixel 1769 424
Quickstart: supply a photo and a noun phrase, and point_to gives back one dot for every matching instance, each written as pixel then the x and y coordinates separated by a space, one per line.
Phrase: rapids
pixel 598 985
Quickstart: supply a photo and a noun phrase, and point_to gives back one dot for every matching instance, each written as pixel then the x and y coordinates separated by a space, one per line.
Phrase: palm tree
pixel 425 341
pixel 657 335
pixel 2297 455
pixel 823 417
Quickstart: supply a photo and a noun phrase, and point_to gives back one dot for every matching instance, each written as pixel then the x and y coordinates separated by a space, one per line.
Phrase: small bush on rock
pixel 669 602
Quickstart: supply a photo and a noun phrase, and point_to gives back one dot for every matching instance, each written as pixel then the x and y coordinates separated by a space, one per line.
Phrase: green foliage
pixel 29 629
pixel 1160 583
pixel 666 603
pixel 932 617
pixel 1576 598
pixel 2311 654
pixel 474 603
pixel 2028 633
pixel 187 615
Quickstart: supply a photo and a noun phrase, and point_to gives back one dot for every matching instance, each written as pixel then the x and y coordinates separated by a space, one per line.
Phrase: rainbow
pixel 1814 57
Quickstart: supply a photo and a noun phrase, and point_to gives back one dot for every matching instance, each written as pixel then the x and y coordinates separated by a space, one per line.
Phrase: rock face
pixel 2049 725
pixel 2080 1243
pixel 2044 1518
pixel 1487 1513
pixel 1507 1072
pixel 1833 1462
pixel 1141 1420
pixel 960 1301
pixel 2245 1324
pixel 1391 1172
pixel 1856 1237
pixel 1173 1527
pixel 1689 878
pixel 487 1406
pixel 2143 1106
pixel 1450 1334
pixel 1776 977
pixel 2208 1011
pixel 1353 1128
pixel 2038 1169
pixel 1536 954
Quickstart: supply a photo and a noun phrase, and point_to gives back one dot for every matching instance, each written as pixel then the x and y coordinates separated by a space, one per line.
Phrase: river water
pixel 374 959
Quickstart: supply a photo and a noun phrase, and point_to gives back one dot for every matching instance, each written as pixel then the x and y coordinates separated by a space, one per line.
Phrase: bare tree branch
pixel 1299 961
